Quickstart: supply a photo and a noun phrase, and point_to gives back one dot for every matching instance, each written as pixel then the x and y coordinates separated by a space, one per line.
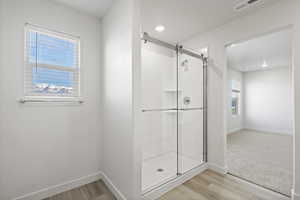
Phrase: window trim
pixel 236 90
pixel 238 106
pixel 28 97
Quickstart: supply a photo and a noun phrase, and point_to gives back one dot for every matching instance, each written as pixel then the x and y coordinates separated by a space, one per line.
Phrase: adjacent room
pixel 259 120
pixel 149 100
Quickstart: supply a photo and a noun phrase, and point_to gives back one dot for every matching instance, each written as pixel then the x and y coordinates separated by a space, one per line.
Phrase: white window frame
pixel 238 105
pixel 236 89
pixel 27 96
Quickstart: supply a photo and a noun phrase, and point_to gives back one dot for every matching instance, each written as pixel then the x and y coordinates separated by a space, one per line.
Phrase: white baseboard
pixel 156 193
pixel 56 189
pixel 234 130
pixel 116 192
pixel 217 168
pixel 269 131
pixel 253 187
pixel 295 196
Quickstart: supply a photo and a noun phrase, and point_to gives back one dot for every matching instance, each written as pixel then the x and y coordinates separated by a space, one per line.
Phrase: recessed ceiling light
pixel 204 50
pixel 264 65
pixel 160 28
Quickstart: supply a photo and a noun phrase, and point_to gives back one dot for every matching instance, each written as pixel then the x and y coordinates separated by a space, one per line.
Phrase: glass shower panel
pixel 159 149
pixel 159 112
pixel 159 86
pixel 190 119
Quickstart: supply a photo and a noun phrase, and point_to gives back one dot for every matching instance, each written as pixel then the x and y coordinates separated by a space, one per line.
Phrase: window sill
pixel 30 99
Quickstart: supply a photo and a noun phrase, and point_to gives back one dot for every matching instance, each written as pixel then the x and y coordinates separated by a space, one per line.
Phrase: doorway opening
pixel 259 111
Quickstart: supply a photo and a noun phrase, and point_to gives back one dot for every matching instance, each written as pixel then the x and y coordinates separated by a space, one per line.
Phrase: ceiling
pixel 95 8
pixel 186 18
pixel 274 49
pixel 182 18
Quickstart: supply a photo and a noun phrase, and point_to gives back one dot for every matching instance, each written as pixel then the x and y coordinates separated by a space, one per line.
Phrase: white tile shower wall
pixel 190 81
pixel 158 92
pixel 191 135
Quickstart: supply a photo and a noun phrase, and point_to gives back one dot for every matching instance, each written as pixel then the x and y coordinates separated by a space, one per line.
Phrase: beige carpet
pixel 262 158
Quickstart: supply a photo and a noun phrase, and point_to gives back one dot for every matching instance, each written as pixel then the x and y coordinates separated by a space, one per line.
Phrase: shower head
pixel 184 64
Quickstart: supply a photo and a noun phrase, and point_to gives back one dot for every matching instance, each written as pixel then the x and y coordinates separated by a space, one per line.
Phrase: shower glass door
pixel 190 112
pixel 159 112
pixel 172 111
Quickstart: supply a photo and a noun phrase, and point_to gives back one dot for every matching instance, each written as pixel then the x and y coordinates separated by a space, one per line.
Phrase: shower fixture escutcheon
pixel 187 101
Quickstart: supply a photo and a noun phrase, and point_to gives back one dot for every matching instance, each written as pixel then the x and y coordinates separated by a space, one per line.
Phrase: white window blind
pixel 52 66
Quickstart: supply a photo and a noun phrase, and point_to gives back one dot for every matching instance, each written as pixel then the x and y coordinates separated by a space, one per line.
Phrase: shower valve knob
pixel 187 100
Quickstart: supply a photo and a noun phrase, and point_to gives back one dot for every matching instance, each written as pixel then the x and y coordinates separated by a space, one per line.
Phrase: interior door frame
pixel 225 89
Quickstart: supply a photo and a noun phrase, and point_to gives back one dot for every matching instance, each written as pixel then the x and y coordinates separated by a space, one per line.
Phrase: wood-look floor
pixel 206 186
pixel 212 186
pixel 92 191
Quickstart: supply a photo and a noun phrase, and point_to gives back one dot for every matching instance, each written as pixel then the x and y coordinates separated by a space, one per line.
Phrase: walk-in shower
pixel 174 82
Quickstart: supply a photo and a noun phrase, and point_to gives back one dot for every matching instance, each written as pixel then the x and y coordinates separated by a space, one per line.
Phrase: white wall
pixel 234 123
pixel 119 136
pixel 252 25
pixel 267 100
pixel 42 145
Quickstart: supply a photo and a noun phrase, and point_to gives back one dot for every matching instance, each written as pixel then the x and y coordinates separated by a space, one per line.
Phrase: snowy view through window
pixel 53 62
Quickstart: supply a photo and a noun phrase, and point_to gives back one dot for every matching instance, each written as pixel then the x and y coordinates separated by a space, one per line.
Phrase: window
pixel 235 97
pixel 51 64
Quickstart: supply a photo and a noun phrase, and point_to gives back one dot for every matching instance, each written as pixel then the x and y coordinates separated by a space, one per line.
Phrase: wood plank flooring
pixel 206 186
pixel 212 186
pixel 92 191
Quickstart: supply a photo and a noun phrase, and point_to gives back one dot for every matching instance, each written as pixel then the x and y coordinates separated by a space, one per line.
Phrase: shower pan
pixel 174 112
